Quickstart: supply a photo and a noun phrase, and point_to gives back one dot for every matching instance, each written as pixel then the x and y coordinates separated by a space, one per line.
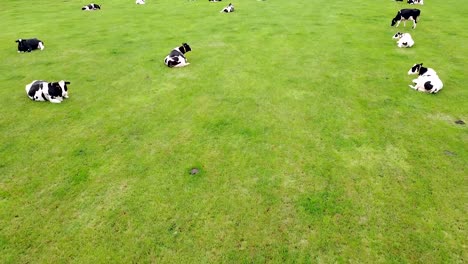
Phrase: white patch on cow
pixel 421 82
pixel 41 45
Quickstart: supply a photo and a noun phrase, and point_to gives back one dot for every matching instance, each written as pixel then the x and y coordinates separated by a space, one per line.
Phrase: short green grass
pixel 310 144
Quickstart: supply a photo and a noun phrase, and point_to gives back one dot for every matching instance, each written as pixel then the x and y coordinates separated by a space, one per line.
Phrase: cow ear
pixel 67 82
pixel 420 63
pixel 18 40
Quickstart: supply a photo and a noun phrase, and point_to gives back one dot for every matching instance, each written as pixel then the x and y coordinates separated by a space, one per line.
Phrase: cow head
pixel 415 69
pixel 97 6
pixel 20 45
pixel 63 87
pixel 185 48
pixel 397 35
pixel 396 19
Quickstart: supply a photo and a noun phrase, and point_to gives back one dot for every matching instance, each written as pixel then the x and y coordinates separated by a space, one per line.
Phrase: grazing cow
pixel 91 7
pixel 406 14
pixel 421 71
pixel 228 9
pixel 140 2
pixel 53 92
pixel 416 2
pixel 28 45
pixel 428 84
pixel 176 58
pixel 404 40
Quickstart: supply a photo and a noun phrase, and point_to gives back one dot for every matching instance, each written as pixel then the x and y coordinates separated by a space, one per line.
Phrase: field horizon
pixel 310 146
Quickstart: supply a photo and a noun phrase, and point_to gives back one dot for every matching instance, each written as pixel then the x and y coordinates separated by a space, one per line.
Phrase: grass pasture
pixel 310 144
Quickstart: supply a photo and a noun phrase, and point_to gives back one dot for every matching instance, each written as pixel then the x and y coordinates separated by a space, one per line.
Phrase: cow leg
pixel 414 24
pixel 398 23
pixel 55 101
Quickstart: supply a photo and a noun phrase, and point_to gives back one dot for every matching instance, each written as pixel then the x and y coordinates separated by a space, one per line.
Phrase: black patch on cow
pixel 428 86
pixel 405 43
pixel 422 70
pixel 175 53
pixel 36 86
pixel 55 90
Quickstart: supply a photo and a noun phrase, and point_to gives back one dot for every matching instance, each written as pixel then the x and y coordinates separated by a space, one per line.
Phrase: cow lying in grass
pixel 416 2
pixel 228 9
pixel 53 92
pixel 28 45
pixel 404 40
pixel 91 7
pixel 176 58
pixel 428 81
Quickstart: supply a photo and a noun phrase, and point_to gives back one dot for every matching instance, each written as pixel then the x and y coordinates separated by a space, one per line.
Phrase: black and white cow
pixel 28 45
pixel 140 2
pixel 416 2
pixel 214 0
pixel 91 7
pixel 176 58
pixel 228 9
pixel 404 40
pixel 428 81
pixel 421 71
pixel 53 92
pixel 406 14
pixel 427 84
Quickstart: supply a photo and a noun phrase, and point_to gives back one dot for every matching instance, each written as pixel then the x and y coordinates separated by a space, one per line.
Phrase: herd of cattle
pixel 54 92
pixel 428 81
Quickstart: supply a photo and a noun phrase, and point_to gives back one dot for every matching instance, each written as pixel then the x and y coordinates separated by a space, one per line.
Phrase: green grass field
pixel 310 144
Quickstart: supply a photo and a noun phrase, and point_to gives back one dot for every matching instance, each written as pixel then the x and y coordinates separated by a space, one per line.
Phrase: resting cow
pixel 404 40
pixel 176 58
pixel 28 45
pixel 91 7
pixel 53 92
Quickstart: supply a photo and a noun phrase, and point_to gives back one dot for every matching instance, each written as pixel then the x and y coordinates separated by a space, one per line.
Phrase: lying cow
pixel 176 58
pixel 428 81
pixel 421 71
pixel 416 2
pixel 44 91
pixel 428 84
pixel 406 14
pixel 91 7
pixel 404 40
pixel 28 45
pixel 140 2
pixel 228 9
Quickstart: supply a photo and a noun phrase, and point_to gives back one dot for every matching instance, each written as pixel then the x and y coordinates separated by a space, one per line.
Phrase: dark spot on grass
pixel 460 122
pixel 194 171
pixel 449 153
